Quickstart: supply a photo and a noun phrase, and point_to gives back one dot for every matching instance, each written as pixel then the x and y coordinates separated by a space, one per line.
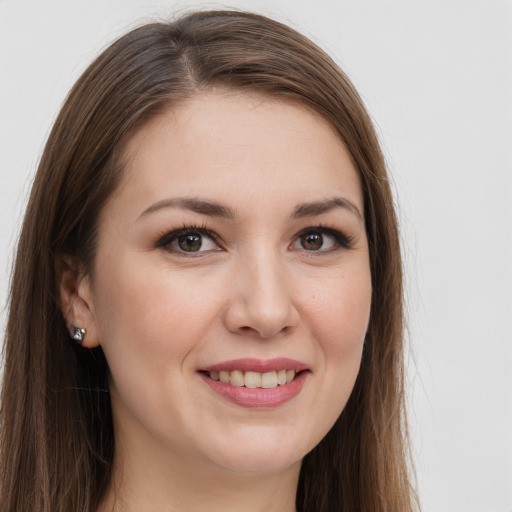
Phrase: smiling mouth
pixel 252 380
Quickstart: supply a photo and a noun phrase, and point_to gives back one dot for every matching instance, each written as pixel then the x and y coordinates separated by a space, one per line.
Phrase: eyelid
pixel 343 241
pixel 166 239
pixel 169 236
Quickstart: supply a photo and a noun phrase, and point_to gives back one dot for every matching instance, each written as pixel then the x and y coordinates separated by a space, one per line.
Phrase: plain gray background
pixel 437 79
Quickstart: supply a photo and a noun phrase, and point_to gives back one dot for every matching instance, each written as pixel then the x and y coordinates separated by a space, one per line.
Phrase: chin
pixel 261 453
pixel 262 464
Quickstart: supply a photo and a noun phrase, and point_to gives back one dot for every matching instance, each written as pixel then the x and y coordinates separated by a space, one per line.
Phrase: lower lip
pixel 257 397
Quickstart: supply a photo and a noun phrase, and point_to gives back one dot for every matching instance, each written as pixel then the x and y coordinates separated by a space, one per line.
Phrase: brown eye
pixel 320 239
pixel 312 241
pixel 190 242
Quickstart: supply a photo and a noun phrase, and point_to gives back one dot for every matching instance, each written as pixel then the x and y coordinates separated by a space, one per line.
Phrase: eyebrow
pixel 214 209
pixel 210 208
pixel 318 207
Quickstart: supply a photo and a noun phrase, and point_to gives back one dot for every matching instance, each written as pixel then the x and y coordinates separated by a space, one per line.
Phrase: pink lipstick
pixel 254 382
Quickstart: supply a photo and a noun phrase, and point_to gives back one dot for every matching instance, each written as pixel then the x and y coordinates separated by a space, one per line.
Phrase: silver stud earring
pixel 77 333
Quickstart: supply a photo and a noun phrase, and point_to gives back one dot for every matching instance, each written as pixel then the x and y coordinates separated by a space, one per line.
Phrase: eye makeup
pixel 193 240
pixel 189 240
pixel 322 239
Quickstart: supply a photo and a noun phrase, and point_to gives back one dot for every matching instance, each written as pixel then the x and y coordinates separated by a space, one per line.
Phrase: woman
pixel 206 307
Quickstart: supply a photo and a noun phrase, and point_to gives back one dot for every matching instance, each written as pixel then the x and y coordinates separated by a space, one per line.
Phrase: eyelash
pixel 170 236
pixel 167 238
pixel 342 241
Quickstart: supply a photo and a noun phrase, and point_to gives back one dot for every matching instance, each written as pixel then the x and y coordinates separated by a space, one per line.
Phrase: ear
pixel 76 300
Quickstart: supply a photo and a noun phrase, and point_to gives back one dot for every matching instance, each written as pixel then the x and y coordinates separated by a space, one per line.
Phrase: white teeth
pixel 237 378
pixel 252 380
pixel 267 380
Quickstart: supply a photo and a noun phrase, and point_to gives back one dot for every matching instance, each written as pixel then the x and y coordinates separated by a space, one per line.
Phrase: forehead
pixel 235 145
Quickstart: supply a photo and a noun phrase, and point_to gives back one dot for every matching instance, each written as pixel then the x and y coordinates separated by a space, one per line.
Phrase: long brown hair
pixel 57 439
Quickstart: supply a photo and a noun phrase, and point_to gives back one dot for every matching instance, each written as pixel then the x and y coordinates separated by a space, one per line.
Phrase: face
pixel 231 289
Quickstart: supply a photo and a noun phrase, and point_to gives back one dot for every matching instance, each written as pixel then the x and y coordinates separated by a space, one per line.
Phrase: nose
pixel 261 303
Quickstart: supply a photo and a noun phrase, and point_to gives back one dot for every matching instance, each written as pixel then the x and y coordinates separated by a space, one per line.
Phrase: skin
pixel 161 314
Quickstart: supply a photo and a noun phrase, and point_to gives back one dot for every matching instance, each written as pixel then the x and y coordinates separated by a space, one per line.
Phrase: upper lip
pixel 257 365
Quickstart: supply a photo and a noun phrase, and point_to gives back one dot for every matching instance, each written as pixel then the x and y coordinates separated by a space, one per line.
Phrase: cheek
pixel 338 311
pixel 150 319
pixel 339 315
pixel 150 313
